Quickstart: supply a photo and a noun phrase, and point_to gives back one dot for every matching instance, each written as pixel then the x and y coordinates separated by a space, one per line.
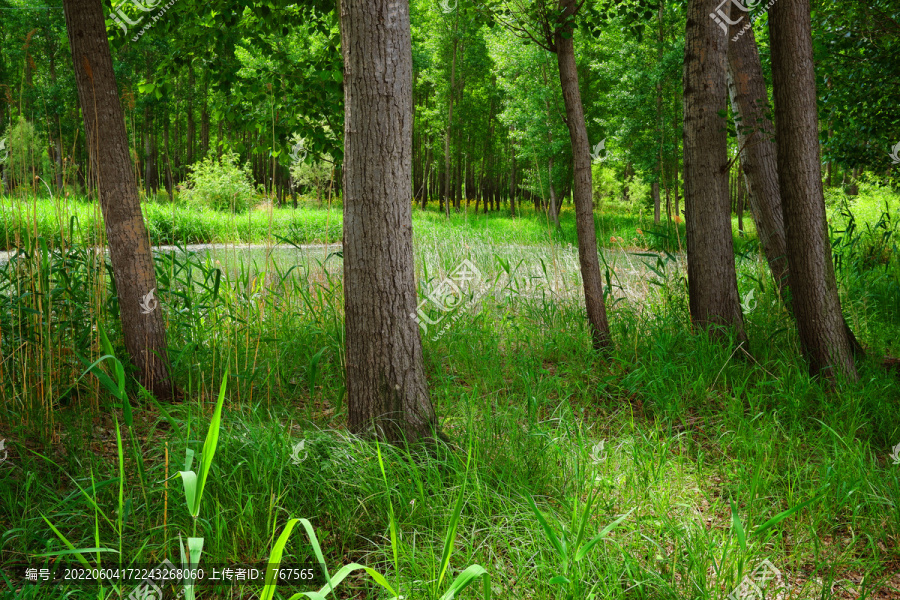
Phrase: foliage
pixel 220 184
pixel 24 156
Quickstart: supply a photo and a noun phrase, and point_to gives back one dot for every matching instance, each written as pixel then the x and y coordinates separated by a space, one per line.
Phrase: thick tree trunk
pixel 581 167
pixel 386 386
pixel 815 300
pixel 712 279
pixel 129 245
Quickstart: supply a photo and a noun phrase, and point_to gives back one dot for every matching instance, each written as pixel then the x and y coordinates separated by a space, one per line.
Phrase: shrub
pixel 22 153
pixel 220 184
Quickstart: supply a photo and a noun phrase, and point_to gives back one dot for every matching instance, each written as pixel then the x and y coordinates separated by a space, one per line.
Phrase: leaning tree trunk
pixel 815 300
pixel 756 140
pixel 386 386
pixel 581 167
pixel 712 279
pixel 143 326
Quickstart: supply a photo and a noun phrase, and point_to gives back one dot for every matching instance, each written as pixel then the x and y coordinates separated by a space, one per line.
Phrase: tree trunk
pixel 129 245
pixel 657 202
pixel 167 177
pixel 756 140
pixel 712 279
pixel 386 386
pixel 204 121
pixel 449 119
pixel 191 128
pixel 659 123
pixel 581 168
pixel 815 300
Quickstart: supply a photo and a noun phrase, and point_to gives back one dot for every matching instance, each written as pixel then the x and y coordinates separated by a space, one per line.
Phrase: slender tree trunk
pixel 168 171
pixel 815 300
pixel 712 278
pixel 740 201
pixel 756 140
pixel 55 125
pixel 512 178
pixel 191 127
pixel 204 120
pixel 659 122
pixel 581 158
pixel 129 246
pixel 554 205
pixel 386 386
pixel 450 119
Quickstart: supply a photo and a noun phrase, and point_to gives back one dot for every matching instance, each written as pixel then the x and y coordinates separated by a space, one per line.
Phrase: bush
pixel 22 153
pixel 220 184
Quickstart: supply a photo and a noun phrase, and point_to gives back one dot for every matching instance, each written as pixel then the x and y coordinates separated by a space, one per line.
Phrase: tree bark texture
pixel 712 278
pixel 756 139
pixel 588 256
pixel 814 293
pixel 129 245
pixel 386 384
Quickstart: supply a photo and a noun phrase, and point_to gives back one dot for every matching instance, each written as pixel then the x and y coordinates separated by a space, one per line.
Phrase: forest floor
pixel 710 459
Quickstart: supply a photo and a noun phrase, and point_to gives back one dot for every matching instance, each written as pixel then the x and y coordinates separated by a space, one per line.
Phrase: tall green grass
pixel 720 458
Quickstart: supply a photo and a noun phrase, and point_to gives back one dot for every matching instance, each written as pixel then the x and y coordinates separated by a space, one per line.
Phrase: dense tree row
pixel 496 102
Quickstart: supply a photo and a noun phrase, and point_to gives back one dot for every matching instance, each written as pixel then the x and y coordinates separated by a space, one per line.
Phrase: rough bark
pixel 712 278
pixel 386 385
pixel 756 140
pixel 814 293
pixel 588 256
pixel 129 245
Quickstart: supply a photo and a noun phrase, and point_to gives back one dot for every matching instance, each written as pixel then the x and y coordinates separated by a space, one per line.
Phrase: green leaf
pixel 189 478
pixel 582 552
pixel 466 578
pixel 738 526
pixel 78 553
pixel 785 514
pixel 548 531
pixel 274 561
pixel 450 538
pixel 209 447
